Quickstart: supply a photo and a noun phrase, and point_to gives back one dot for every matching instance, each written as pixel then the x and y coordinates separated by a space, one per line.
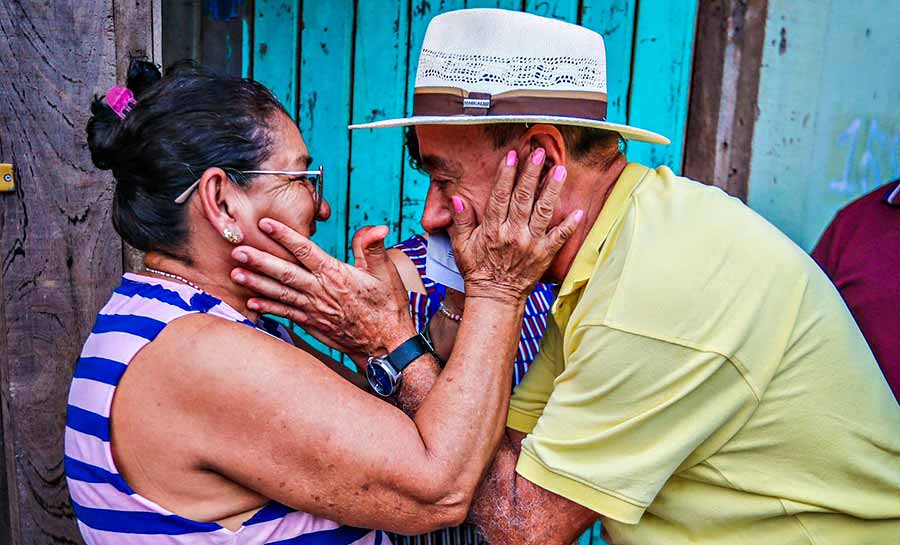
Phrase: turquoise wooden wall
pixel 337 61
pixel 828 128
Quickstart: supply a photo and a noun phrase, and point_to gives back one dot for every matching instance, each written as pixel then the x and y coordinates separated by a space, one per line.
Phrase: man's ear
pixel 549 138
pixel 220 199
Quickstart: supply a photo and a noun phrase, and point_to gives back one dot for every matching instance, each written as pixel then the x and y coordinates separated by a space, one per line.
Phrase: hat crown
pixel 495 51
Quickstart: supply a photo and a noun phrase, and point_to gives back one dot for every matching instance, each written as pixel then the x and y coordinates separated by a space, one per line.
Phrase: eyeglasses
pixel 313 177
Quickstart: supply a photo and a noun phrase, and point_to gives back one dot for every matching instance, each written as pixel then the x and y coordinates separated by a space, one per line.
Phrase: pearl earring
pixel 231 236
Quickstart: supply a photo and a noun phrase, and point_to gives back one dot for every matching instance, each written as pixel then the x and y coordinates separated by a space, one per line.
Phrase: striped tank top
pixel 108 511
pixel 422 306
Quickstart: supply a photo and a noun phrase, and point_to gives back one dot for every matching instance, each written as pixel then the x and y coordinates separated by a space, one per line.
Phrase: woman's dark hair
pixel 185 122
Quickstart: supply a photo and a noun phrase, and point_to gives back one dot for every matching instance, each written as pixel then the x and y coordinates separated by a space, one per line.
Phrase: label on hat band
pixel 455 102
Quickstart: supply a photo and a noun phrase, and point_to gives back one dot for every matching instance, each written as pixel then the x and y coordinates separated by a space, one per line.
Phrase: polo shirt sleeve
pixel 530 396
pixel 626 412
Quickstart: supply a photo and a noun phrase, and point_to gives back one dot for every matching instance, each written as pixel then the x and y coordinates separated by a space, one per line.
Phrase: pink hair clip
pixel 120 99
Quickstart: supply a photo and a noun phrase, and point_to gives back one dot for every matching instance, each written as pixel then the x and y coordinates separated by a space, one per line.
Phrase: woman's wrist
pixel 450 313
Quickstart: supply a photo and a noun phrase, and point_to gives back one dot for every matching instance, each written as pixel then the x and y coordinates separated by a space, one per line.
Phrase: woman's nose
pixel 324 211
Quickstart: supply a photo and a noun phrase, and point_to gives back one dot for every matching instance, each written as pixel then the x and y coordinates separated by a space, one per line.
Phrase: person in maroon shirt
pixel 860 251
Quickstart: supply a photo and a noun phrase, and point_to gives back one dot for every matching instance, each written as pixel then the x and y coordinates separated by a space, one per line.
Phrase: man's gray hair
pixel 585 144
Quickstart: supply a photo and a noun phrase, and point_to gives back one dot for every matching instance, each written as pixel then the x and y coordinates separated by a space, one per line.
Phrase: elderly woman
pixel 192 419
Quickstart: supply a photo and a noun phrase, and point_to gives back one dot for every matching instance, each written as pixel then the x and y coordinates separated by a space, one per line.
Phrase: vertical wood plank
pixel 415 183
pixel 614 20
pixel 661 78
pixel 724 87
pixel 325 88
pixel 379 89
pixel 59 256
pixel 564 10
pixel 502 4
pixel 275 55
pixel 182 21
pixel 222 37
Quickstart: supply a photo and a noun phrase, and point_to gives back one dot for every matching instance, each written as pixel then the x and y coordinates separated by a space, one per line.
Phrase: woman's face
pixel 288 199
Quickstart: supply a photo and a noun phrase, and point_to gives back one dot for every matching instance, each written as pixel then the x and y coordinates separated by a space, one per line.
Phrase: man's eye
pixel 441 182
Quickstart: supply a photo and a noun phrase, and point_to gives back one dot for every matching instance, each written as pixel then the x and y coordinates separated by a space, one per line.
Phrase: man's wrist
pixel 393 338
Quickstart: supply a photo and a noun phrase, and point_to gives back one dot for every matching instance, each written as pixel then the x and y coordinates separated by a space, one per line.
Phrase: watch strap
pixel 408 352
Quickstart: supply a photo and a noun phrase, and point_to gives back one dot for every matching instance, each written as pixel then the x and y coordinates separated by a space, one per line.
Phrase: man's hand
pixel 505 256
pixel 361 310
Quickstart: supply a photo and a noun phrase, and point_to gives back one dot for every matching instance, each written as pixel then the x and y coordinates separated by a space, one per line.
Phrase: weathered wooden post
pixel 59 256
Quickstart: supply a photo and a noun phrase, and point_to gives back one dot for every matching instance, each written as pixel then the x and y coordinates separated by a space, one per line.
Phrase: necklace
pixel 174 276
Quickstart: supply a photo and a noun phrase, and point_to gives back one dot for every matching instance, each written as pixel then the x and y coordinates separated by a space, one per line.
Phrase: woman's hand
pixel 505 256
pixel 361 310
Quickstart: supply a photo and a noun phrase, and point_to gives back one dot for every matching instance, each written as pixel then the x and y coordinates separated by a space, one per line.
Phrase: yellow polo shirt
pixel 703 382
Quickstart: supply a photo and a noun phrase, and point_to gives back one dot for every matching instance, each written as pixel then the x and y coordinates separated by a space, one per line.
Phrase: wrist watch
pixel 386 373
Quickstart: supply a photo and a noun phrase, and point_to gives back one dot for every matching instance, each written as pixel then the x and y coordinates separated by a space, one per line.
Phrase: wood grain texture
pixel 564 10
pixel 724 86
pixel 137 26
pixel 182 23
pixel 59 256
pixel 379 92
pixel 501 4
pixel 275 51
pixel 661 78
pixel 614 20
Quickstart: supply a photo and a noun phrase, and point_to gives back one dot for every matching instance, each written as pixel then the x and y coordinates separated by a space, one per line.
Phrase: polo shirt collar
pixel 586 259
pixel 892 195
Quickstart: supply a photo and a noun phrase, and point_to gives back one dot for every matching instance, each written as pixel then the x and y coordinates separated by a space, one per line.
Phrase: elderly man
pixel 701 380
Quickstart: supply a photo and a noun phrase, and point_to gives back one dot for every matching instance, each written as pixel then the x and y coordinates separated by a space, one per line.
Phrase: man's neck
pixel 593 187
pixel 210 274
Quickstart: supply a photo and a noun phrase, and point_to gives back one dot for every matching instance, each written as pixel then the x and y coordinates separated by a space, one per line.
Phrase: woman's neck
pixel 212 276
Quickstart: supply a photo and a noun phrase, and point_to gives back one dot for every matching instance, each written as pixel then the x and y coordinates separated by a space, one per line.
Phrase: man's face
pixel 461 160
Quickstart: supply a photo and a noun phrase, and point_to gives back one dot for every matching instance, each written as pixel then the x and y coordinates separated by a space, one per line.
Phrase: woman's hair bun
pixel 104 125
pixel 142 75
pixel 102 129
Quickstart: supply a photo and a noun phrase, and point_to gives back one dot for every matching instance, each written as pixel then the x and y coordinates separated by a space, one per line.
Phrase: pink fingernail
pixel 579 214
pixel 266 227
pixel 458 204
pixel 241 256
pixel 538 156
pixel 251 304
pixel 239 277
pixel 559 173
pixel 512 158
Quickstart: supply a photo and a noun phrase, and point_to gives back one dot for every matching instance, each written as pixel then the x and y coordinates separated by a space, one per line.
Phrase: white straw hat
pixel 481 66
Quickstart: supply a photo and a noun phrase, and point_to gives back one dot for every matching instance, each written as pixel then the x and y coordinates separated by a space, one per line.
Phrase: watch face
pixel 379 379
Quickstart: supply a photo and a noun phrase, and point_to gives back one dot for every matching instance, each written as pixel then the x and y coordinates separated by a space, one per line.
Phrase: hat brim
pixel 627 132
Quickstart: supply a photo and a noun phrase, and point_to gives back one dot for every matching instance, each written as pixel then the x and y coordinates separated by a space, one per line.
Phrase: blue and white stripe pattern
pixel 424 305
pixel 109 512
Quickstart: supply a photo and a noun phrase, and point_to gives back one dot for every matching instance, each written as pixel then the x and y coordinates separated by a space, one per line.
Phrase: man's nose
pixel 436 216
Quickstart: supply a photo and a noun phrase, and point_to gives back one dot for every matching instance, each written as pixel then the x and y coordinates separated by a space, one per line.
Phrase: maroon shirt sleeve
pixel 860 252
